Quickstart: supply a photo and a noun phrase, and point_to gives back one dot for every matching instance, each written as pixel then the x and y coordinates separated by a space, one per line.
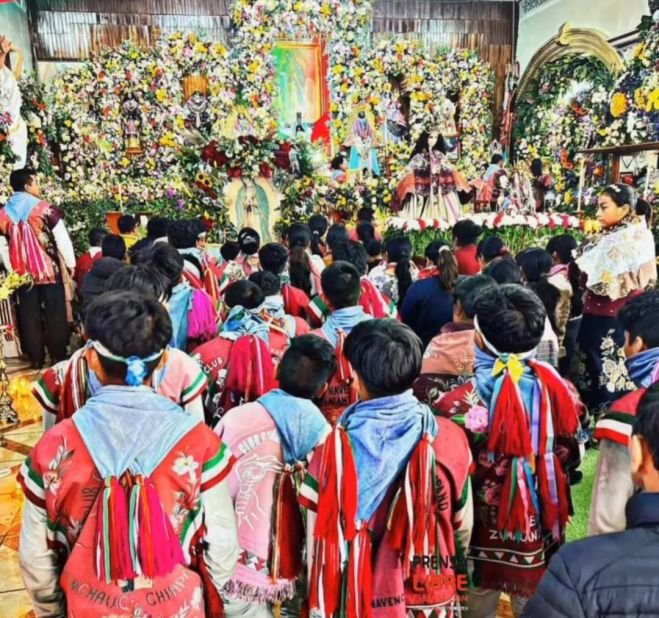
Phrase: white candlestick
pixel 582 177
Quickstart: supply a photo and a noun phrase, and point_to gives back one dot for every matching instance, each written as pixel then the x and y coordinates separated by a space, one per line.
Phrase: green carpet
pixel 581 497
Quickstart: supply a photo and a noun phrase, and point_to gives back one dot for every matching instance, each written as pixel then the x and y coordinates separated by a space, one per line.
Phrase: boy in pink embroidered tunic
pixel 39 246
pixel 272 439
pixel 521 421
pixel 388 488
pixel 64 388
pixel 127 511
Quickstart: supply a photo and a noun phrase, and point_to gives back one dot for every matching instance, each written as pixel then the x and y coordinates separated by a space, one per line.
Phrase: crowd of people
pixel 332 425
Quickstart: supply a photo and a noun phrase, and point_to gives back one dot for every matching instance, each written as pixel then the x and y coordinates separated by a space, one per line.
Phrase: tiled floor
pixel 15 444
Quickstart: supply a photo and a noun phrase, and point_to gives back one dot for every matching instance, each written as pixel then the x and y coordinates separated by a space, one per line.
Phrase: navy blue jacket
pixel 610 575
pixel 427 306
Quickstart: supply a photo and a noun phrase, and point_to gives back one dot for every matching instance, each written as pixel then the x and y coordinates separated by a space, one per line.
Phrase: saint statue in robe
pixel 11 102
pixel 362 141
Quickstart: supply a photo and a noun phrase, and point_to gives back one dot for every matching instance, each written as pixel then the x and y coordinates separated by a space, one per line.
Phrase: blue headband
pixel 135 366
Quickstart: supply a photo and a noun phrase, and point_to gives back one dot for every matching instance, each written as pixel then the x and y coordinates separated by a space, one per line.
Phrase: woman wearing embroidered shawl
pixel 616 265
pixel 521 421
pixel 127 511
pixel 389 484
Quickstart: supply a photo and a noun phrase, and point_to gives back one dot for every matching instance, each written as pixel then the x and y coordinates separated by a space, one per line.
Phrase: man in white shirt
pixel 39 246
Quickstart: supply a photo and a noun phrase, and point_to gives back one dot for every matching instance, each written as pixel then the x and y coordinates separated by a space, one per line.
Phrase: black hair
pixel 536 167
pixel 157 227
pixel 96 236
pixel 511 317
pixel 640 318
pixel 307 365
pixel 230 250
pixel 245 294
pixel 318 225
pixel 365 214
pixel 646 423
pixel 563 246
pixel 141 279
pixel 20 179
pixel 128 324
pixel 273 258
pixel 491 248
pixel 505 271
pixel 467 290
pixel 167 261
pixel 138 250
pixel 422 145
pixel 399 251
pixel 622 195
pixel 352 251
pixel 496 159
pixel 337 233
pixel 373 247
pixel 113 246
pixel 249 240
pixel 366 232
pixel 337 162
pixel 386 355
pixel 644 209
pixel 549 296
pixel 182 234
pixel 535 263
pixel 126 224
pixel 269 283
pixel 443 257
pixel 466 232
pixel 341 285
pixel 299 266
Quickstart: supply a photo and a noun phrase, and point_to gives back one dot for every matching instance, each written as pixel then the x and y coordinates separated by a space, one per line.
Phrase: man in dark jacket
pixel 613 574
pixel 113 249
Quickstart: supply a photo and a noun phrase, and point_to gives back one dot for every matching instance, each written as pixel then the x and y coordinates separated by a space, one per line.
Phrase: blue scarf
pixel 345 320
pixel 301 425
pixel 130 428
pixel 241 321
pixel 180 305
pixel 392 425
pixel 274 307
pixel 20 206
pixel 644 368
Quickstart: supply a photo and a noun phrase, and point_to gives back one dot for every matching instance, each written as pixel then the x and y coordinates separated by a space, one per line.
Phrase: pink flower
pixel 477 419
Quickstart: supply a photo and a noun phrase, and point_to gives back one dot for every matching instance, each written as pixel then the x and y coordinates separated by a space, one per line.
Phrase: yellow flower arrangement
pixel 639 98
pixel 161 95
pixel 618 104
pixel 653 101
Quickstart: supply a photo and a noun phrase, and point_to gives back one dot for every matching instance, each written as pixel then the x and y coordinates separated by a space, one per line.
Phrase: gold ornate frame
pixel 571 40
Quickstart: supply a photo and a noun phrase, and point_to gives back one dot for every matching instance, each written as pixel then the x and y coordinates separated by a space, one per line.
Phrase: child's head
pixel 365 232
pixel 318 225
pixel 125 326
pixel 510 318
pixel 490 249
pixel 298 235
pixel 353 252
pixel 386 356
pixel 466 292
pixel 341 285
pixel 497 159
pixel 244 293
pixel 615 203
pixel 365 214
pixel 336 234
pixel 230 250
pixel 25 179
pixel 182 234
pixel 465 233
pixel 273 258
pixel 374 248
pixel 157 227
pixel 561 247
pixel 268 282
pixel 249 241
pixel 645 442
pixel 126 224
pixel 167 261
pixel 307 367
pixel 505 271
pixel 96 236
pixel 535 263
pixel 113 246
pixel 640 319
pixel 141 279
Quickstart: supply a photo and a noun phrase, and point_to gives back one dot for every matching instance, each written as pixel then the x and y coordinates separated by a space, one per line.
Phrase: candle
pixel 582 177
pixel 649 167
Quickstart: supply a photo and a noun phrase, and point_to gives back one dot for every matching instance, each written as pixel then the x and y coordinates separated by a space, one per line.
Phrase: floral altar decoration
pixel 517 230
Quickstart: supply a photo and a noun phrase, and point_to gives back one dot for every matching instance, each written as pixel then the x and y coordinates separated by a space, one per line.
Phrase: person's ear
pixel 636 453
pixel 322 391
